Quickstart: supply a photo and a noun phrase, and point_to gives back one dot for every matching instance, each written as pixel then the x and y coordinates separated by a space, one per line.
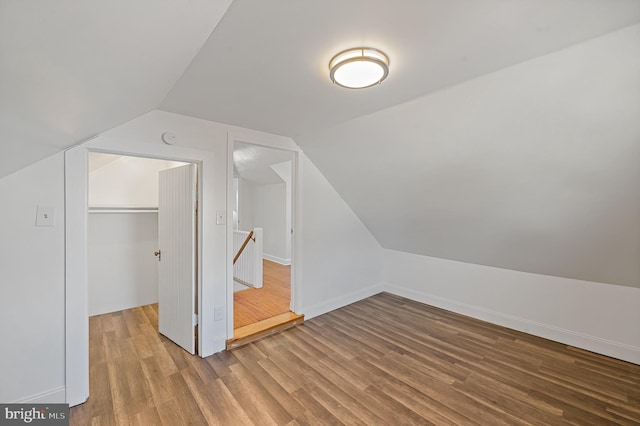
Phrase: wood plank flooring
pixel 382 361
pixel 257 304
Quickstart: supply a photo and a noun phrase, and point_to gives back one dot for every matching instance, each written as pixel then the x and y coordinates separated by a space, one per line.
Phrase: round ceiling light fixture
pixel 359 67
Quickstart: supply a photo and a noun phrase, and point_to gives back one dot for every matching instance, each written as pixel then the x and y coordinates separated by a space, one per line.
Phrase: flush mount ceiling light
pixel 359 68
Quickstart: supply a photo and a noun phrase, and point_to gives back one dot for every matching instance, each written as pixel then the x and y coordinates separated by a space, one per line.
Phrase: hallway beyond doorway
pixel 257 304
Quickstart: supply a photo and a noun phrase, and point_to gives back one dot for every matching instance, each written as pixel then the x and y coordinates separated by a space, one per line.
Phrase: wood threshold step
pixel 252 332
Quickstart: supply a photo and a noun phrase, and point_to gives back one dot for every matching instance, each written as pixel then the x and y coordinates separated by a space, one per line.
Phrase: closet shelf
pixel 123 209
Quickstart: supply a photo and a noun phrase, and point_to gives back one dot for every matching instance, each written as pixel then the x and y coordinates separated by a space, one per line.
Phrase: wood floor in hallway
pixel 257 304
pixel 384 360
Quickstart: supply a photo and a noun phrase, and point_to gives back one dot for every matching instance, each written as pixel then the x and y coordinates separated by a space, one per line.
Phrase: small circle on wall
pixel 169 138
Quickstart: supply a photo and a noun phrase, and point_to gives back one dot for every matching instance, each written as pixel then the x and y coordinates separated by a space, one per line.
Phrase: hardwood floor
pixel 257 304
pixel 382 361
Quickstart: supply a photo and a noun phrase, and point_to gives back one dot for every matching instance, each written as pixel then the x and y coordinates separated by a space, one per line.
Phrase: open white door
pixel 177 255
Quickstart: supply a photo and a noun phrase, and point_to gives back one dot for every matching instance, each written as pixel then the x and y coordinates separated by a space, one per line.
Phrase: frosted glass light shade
pixel 359 68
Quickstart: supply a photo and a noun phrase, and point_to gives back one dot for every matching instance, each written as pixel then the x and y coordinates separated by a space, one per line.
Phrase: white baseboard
pixel 580 340
pixel 276 259
pixel 239 286
pixel 338 302
pixel 52 396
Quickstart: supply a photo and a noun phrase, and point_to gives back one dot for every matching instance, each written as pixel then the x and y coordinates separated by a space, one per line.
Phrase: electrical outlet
pixel 218 313
pixel 45 216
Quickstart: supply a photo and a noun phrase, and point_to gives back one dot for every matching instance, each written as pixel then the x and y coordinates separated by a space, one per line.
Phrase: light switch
pixel 220 217
pixel 44 216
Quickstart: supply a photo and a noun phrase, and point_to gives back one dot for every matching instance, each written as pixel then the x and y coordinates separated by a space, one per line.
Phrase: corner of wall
pixel 341 301
pixel 341 258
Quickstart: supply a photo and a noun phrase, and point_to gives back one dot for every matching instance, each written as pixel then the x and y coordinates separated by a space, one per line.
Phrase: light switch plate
pixel 220 217
pixel 45 216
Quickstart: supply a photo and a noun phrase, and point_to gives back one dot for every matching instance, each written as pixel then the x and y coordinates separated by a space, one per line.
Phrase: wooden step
pixel 252 332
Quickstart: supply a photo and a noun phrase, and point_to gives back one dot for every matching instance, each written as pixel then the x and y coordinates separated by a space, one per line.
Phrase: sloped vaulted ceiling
pixel 506 134
pixel 534 168
pixel 70 69
pixel 266 65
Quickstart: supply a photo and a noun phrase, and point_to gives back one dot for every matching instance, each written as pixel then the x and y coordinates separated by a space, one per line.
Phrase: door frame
pixel 76 270
pixel 266 142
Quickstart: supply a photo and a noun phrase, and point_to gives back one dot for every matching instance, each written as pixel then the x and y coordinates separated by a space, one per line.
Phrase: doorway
pixel 76 270
pixel 262 200
pixel 138 207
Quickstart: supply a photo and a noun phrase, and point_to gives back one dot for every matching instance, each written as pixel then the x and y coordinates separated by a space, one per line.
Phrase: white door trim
pixel 296 258
pixel 76 292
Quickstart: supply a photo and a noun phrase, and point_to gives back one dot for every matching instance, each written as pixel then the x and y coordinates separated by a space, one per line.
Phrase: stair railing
pixel 244 244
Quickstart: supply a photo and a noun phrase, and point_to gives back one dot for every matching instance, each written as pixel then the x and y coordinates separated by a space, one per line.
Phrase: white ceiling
pixel 471 150
pixel 266 65
pixel 535 167
pixel 253 163
pixel 70 69
pixel 98 160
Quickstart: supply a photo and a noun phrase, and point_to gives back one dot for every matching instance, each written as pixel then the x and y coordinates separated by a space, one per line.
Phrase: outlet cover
pixel 218 313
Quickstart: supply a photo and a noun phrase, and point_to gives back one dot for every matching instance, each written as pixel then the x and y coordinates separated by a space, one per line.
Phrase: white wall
pixel 123 272
pixel 339 258
pixel 284 170
pixel 269 206
pixel 245 205
pixel 32 358
pixel 126 182
pixel 603 318
pixel 269 212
